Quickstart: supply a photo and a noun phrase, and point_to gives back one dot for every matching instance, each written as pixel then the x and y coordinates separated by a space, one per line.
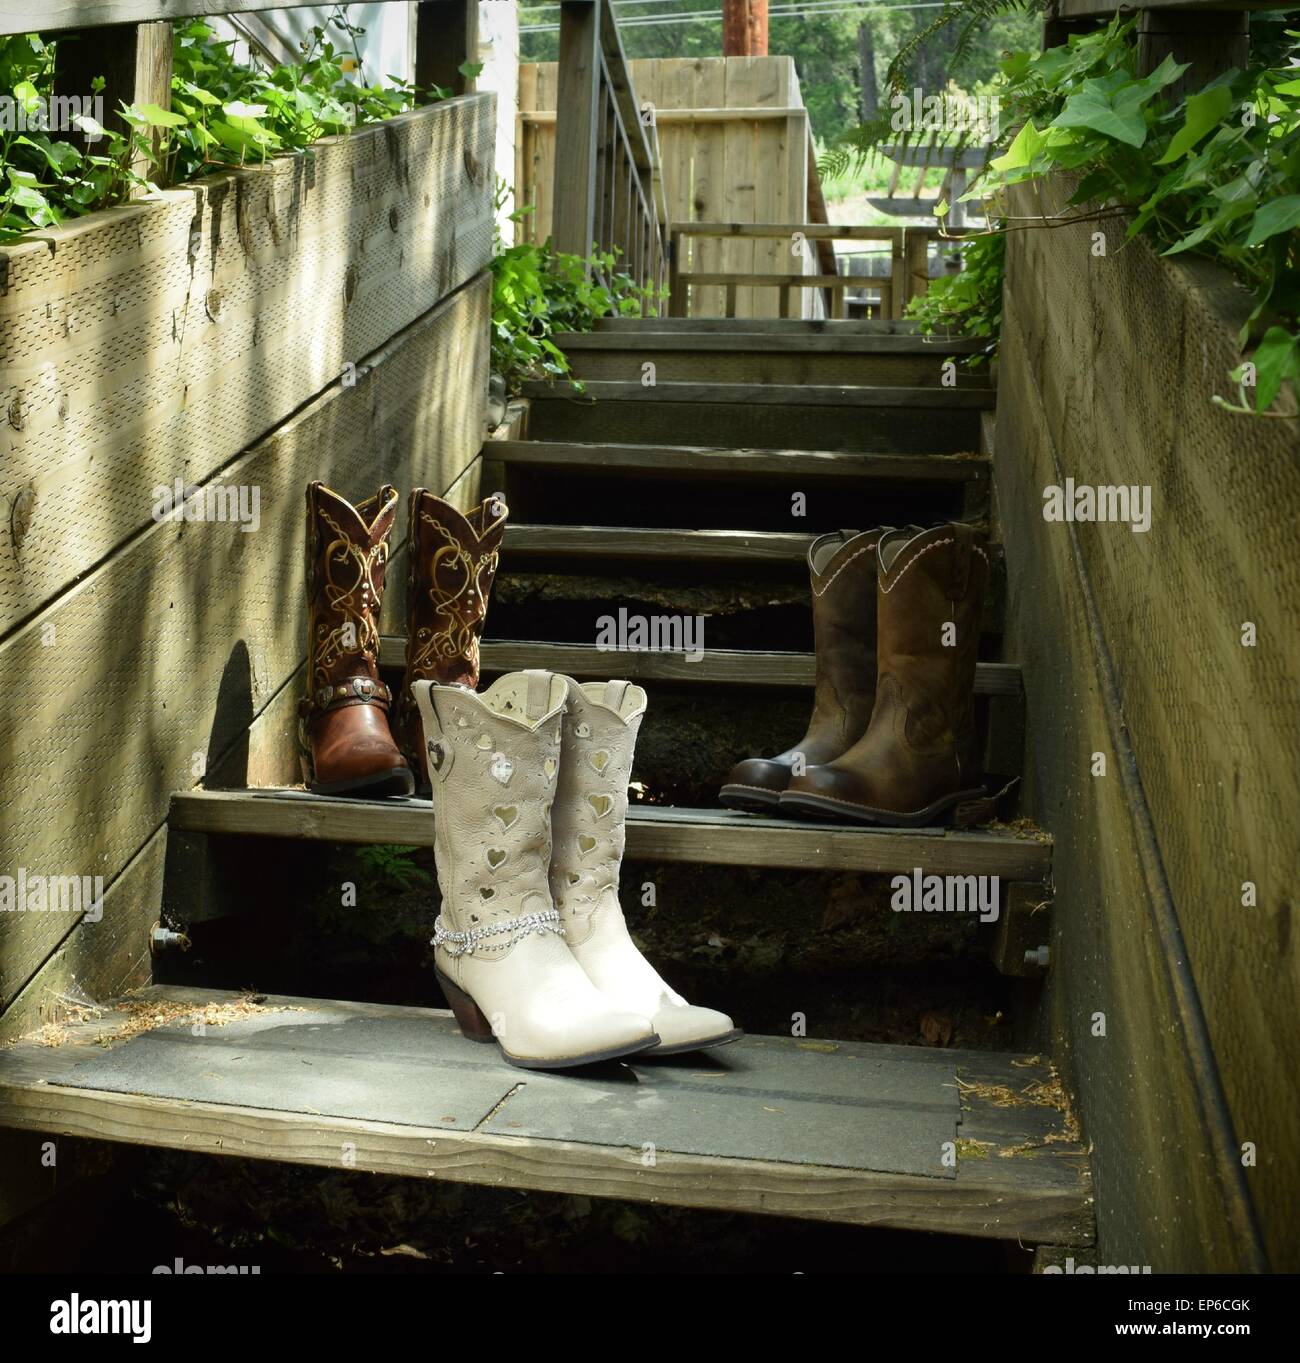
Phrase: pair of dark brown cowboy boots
pixel 896 619
pixel 354 737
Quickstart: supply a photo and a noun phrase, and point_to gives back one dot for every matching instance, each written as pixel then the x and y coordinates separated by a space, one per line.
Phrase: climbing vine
pixel 1215 173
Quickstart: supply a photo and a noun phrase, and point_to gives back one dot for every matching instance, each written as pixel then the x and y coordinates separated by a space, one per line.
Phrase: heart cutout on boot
pixel 496 857
pixel 599 760
pixel 601 804
pixel 502 768
pixel 507 814
pixel 549 768
pixel 585 843
pixel 574 877
pixel 483 742
pixel 487 891
pixel 582 730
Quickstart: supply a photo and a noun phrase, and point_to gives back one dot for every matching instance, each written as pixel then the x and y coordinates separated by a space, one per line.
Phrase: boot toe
pixel 823 790
pixel 756 780
pixel 684 1027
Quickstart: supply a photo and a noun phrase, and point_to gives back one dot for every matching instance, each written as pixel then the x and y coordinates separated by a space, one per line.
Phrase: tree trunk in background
pixel 867 68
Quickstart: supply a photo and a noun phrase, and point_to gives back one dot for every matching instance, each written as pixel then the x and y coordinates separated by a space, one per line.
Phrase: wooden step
pixel 781 326
pixel 877 420
pixel 729 463
pixel 718 667
pixel 959 1142
pixel 773 358
pixel 603 543
pixel 716 837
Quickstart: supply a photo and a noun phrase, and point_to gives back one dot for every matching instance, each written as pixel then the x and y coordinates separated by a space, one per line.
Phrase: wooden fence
pixel 734 146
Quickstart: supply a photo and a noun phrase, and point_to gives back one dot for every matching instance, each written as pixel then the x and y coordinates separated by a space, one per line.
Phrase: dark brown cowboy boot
pixel 919 757
pixel 842 568
pixel 453 561
pixel 346 743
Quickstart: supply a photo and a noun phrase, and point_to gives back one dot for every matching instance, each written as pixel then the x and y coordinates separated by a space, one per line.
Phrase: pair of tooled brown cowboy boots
pixel 355 737
pixel 892 740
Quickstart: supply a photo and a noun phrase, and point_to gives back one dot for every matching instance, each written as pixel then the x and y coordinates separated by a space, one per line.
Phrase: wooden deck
pixel 961 1142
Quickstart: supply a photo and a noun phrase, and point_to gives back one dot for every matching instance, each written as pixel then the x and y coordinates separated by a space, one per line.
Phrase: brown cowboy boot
pixel 343 728
pixel 453 562
pixel 919 757
pixel 842 568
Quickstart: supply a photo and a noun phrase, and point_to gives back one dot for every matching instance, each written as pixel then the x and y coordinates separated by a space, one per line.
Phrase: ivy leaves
pixel 1216 173
pixel 1115 104
pixel 223 113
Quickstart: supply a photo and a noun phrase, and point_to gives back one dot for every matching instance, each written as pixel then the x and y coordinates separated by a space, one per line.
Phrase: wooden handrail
pixel 609 194
pixel 908 277
pixel 58 16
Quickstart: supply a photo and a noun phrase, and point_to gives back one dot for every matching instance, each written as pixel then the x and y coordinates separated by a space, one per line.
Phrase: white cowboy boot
pixel 494 759
pixel 600 729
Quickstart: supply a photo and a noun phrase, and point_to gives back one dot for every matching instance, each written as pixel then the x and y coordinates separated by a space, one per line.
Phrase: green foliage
pixel 228 114
pixel 223 113
pixel 46 180
pixel 538 292
pixel 1216 173
pixel 968 303
pixel 393 865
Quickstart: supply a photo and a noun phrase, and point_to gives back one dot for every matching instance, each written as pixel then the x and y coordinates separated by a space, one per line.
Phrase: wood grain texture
pixel 605 542
pixel 686 461
pixel 155 664
pixel 925 400
pixel 21 16
pixel 715 837
pixel 1018 1174
pixel 1132 645
pixel 156 341
pixel 718 667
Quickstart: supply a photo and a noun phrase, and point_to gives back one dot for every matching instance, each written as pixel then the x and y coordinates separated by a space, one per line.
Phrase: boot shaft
pixel 930 598
pixel 842 577
pixel 454 559
pixel 601 723
pixel 494 760
pixel 347 561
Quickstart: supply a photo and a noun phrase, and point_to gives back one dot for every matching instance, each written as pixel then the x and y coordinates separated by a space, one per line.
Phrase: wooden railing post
pixel 446 38
pixel 135 61
pixel 577 124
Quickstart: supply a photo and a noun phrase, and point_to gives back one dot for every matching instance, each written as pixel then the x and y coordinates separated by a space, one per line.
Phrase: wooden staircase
pixel 655 488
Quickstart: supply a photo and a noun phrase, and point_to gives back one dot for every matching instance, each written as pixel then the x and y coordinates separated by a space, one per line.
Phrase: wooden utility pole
pixel 744 28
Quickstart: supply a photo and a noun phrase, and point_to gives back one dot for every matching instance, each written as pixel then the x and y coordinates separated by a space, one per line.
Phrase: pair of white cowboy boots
pixel 529 786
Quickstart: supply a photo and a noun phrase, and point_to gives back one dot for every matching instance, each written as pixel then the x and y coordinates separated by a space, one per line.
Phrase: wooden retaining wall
pixel 1137 646
pixel 326 317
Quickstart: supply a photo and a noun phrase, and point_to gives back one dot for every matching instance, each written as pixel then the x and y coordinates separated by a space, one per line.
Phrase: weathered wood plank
pixel 654 335
pixel 769 395
pixel 604 542
pixel 685 461
pixel 781 326
pixel 715 837
pixel 22 16
pixel 146 344
pixel 1038 1200
pixel 719 666
pixel 154 663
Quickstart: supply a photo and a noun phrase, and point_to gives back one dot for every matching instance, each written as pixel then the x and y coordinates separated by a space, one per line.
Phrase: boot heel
pixel 469 1016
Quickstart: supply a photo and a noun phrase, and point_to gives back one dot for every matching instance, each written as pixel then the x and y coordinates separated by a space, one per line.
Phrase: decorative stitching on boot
pixel 934 544
pixel 866 549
